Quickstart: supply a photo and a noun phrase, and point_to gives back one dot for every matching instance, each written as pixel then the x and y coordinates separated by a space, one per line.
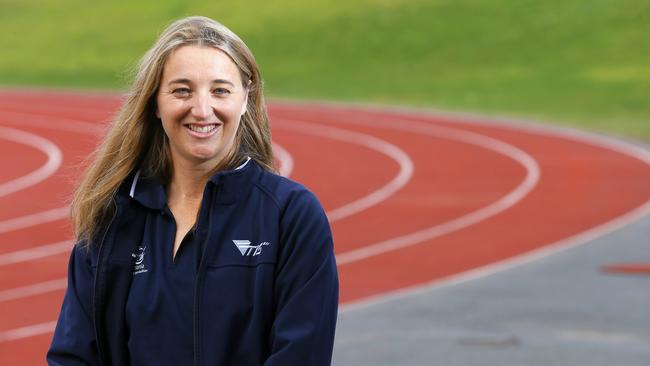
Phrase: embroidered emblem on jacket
pixel 248 250
pixel 139 261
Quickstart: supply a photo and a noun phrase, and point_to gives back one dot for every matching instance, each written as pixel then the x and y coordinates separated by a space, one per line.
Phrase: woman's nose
pixel 202 106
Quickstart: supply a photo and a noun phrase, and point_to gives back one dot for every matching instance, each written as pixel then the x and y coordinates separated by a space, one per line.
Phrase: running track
pixel 414 199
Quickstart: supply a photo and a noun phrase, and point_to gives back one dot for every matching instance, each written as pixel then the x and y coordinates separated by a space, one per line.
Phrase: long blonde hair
pixel 136 140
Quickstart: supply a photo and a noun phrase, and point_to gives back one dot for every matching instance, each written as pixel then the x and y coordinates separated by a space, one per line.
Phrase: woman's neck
pixel 188 181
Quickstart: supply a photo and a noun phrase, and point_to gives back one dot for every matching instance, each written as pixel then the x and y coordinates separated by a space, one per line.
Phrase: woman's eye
pixel 181 92
pixel 221 91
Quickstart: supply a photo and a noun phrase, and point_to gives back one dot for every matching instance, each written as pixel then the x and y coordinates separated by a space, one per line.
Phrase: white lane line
pixel 53 123
pixel 28 331
pixel 512 198
pixel 398 155
pixel 38 252
pixel 100 111
pixel 285 158
pixel 539 128
pixel 38 218
pixel 33 290
pixel 54 158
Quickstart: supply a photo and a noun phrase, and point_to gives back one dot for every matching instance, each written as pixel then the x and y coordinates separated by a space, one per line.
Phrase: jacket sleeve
pixel 74 337
pixel 306 292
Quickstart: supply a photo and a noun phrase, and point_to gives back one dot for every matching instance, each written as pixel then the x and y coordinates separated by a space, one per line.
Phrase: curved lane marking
pixel 286 160
pixel 398 155
pixel 513 197
pixel 30 220
pixel 567 133
pixel 63 124
pixel 28 331
pixel 42 251
pixel 54 159
pixel 34 289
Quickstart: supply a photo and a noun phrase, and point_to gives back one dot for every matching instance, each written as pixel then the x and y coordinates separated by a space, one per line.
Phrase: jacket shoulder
pixel 284 191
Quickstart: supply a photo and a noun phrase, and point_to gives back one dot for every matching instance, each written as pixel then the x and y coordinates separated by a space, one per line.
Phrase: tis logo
pixel 248 250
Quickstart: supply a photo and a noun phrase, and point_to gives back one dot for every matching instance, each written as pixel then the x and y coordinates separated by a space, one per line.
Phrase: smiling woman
pixel 190 249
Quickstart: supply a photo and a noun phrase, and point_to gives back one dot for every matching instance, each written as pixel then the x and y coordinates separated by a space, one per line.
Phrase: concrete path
pixel 559 310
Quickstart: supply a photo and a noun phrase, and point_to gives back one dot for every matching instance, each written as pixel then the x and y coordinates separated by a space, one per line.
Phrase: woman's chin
pixel 205 156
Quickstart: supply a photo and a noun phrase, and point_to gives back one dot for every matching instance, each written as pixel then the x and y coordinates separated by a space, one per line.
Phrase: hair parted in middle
pixel 136 139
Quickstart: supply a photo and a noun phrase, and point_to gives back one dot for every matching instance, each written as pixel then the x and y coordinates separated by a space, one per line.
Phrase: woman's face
pixel 200 101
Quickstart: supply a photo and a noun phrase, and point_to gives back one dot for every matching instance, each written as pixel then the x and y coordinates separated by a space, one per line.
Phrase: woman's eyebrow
pixel 180 81
pixel 222 81
pixel 188 81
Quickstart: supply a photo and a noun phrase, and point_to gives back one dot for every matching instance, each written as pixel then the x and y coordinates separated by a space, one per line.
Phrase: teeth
pixel 202 129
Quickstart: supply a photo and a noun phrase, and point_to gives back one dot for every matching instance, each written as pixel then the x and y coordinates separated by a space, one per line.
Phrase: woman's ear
pixel 244 106
pixel 247 90
pixel 152 106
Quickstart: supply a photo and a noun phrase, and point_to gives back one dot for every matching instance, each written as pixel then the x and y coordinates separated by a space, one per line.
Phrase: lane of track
pixel 450 180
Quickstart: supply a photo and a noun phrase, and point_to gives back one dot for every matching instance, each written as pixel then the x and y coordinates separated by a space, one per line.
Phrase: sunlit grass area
pixel 581 63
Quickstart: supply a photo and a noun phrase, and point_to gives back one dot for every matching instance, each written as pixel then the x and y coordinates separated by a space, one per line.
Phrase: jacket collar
pixel 148 192
pixel 232 184
pixel 151 193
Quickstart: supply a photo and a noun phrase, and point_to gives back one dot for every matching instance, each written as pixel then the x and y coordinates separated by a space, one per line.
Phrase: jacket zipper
pixel 205 210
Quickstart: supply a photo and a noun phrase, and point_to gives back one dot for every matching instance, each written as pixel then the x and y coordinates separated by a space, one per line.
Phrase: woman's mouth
pixel 202 130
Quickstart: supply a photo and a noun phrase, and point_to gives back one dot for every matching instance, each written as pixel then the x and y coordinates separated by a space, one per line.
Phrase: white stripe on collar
pixel 248 158
pixel 134 183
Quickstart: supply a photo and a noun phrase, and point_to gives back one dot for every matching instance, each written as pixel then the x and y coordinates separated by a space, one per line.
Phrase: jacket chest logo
pixel 248 250
pixel 138 266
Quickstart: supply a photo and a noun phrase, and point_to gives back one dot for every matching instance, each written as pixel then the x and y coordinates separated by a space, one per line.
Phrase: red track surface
pixel 446 216
pixel 629 268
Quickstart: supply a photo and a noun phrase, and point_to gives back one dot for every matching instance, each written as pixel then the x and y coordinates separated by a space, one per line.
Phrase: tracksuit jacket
pixel 278 307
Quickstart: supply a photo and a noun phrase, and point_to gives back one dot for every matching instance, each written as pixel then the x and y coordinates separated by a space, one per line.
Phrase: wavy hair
pixel 136 140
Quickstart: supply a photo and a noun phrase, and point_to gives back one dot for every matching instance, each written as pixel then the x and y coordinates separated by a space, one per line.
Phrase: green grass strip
pixel 582 63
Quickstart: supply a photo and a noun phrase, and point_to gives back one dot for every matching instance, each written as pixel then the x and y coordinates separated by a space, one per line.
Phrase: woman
pixel 190 250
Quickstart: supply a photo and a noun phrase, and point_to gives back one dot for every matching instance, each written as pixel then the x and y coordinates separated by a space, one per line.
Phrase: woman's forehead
pixel 194 63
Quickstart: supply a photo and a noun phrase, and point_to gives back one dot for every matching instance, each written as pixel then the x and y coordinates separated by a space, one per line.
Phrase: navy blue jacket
pixel 272 306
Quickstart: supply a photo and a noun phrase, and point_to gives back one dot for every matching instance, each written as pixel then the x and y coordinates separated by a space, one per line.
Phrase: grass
pixel 582 63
